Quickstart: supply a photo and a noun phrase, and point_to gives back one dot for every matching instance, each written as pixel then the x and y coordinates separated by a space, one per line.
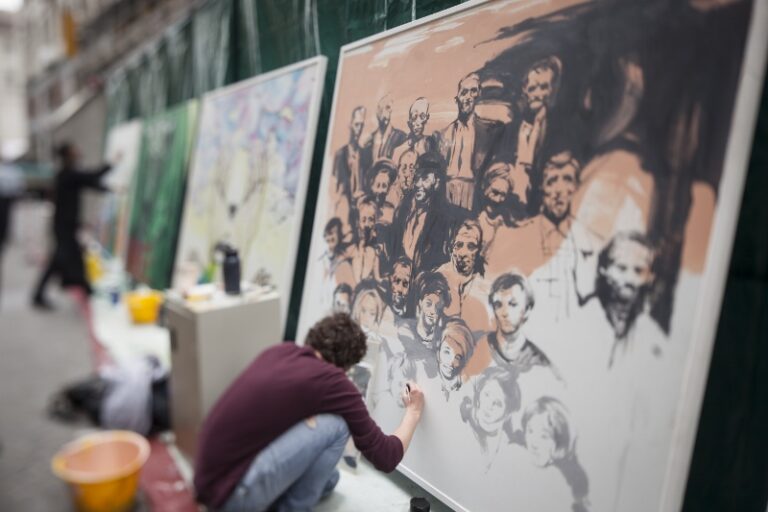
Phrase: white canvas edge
pixel 712 288
pixel 706 316
pixel 301 190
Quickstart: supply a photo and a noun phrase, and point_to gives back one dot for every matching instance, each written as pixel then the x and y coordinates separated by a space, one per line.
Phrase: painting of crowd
pixel 548 239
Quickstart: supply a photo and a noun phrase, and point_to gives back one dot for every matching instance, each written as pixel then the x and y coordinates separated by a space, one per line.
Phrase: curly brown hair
pixel 339 339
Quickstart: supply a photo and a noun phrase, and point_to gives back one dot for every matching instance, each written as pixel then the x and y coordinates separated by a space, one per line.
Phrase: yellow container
pixel 144 306
pixel 94 269
pixel 102 469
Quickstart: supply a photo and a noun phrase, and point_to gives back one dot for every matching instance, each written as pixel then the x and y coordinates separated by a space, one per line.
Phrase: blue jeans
pixel 295 471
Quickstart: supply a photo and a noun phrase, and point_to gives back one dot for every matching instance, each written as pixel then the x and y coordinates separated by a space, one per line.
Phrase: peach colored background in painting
pixel 396 65
pixel 426 61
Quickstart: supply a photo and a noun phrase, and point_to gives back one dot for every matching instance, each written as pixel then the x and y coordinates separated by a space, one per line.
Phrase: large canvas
pixel 158 194
pixel 249 174
pixel 113 208
pixel 530 206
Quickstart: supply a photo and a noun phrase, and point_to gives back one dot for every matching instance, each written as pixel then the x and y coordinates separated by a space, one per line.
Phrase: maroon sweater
pixel 284 385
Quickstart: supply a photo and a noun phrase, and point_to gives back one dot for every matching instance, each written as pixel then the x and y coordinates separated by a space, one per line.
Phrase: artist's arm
pixel 414 404
pixel 92 179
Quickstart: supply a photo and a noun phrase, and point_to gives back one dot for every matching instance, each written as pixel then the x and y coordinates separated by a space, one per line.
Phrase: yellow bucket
pixel 94 269
pixel 144 306
pixel 102 469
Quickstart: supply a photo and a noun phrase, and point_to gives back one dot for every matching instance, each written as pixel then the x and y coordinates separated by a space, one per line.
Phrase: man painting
pixel 511 300
pixel 624 279
pixel 417 140
pixel 499 207
pixel 467 145
pixel 418 335
pixel 406 164
pixel 349 164
pixel 422 221
pixel 379 180
pixel 527 134
pixel 336 266
pixel 554 248
pixel 399 284
pixel 465 268
pixel 386 138
pixel 362 252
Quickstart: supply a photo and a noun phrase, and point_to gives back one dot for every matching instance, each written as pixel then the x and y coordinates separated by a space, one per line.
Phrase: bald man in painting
pixel 417 140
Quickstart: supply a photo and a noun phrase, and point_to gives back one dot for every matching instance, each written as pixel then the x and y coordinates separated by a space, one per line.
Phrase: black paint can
pixel 419 505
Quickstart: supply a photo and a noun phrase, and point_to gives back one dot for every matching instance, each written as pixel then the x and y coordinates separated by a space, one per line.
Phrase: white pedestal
pixel 211 344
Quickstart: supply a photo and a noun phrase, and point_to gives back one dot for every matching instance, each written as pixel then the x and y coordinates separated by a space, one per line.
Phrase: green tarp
pixel 158 194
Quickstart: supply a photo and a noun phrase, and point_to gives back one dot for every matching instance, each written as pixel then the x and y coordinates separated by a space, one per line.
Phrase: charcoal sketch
pixel 511 205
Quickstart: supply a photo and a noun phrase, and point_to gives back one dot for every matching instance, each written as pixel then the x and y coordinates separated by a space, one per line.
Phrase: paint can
pixel 419 505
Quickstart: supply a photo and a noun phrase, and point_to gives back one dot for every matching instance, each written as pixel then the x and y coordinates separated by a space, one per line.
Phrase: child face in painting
pixel 368 312
pixel 539 440
pixel 431 307
pixel 491 406
pixel 449 360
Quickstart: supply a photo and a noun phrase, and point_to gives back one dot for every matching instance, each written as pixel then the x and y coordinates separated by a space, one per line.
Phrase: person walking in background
pixel 66 260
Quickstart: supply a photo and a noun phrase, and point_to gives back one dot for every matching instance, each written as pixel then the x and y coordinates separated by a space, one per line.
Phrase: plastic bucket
pixel 102 469
pixel 144 306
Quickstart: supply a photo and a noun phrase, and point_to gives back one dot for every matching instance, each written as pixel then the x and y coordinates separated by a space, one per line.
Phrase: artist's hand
pixel 413 399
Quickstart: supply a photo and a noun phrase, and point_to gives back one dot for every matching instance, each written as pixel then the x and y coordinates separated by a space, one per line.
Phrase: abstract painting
pixel 158 194
pixel 249 174
pixel 529 205
pixel 113 207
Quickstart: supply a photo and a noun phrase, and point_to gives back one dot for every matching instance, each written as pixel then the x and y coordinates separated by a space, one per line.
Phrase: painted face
pixel 430 309
pixel 497 191
pixel 538 88
pixel 466 247
pixel 509 308
pixel 491 405
pixel 401 282
pixel 366 222
pixel 368 311
pixel 418 117
pixel 469 90
pixel 558 187
pixel 341 303
pixel 384 112
pixel 425 185
pixel 357 124
pixel 539 440
pixel 629 270
pixel 449 361
pixel 332 239
pixel 405 168
pixel 380 185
